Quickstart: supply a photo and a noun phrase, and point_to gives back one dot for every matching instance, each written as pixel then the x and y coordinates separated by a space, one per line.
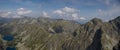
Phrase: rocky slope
pixel 59 34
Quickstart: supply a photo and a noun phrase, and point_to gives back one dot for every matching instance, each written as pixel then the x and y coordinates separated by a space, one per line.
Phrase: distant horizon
pixel 78 10
pixel 78 21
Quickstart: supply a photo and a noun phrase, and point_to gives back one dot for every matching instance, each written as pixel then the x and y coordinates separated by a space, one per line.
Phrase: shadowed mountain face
pixel 96 44
pixel 5 20
pixel 56 34
pixel 117 47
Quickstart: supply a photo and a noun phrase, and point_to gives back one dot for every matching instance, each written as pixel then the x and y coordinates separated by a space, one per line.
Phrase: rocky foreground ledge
pixel 58 34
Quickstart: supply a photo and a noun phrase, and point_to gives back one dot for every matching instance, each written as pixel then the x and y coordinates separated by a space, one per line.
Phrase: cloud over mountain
pixel 45 14
pixel 16 13
pixel 23 11
pixel 68 13
pixel 5 14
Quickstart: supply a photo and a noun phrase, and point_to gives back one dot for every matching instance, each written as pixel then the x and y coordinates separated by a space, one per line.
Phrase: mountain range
pixel 58 34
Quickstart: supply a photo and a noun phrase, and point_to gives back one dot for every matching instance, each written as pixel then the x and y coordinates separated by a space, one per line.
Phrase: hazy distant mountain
pixel 58 34
pixel 4 20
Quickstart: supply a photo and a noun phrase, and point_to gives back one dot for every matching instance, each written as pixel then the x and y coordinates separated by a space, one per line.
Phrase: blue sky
pixel 66 9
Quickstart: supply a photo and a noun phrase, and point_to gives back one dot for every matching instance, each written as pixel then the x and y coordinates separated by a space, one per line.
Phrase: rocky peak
pixel 92 23
pixel 96 21
pixel 117 19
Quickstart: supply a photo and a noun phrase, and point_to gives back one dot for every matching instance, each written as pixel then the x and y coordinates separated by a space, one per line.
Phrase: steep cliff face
pixel 51 34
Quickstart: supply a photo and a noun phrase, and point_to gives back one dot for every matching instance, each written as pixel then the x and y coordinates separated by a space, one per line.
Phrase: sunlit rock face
pixel 55 34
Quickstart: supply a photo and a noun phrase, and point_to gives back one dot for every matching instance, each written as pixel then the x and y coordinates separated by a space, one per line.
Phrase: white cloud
pixel 60 12
pixel 82 18
pixel 5 14
pixel 22 11
pixel 75 16
pixel 15 14
pixel 101 12
pixel 109 14
pixel 68 13
pixel 45 14
pixel 68 9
